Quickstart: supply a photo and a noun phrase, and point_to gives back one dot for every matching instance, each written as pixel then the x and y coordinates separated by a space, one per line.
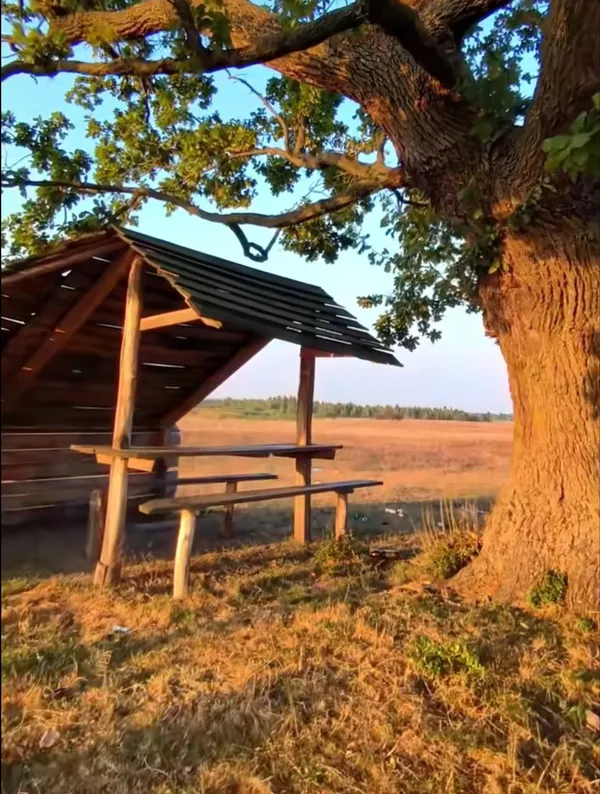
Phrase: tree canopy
pixel 144 73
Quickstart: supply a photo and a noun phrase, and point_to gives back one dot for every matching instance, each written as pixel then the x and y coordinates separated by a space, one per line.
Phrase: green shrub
pixel 452 552
pixel 551 589
pixel 439 660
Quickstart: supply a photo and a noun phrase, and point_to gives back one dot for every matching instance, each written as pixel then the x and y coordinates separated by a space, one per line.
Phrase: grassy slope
pixel 288 672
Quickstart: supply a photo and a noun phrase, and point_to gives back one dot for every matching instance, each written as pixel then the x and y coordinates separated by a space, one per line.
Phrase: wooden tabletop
pixel 323 451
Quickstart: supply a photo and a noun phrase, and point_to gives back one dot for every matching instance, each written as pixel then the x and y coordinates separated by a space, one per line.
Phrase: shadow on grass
pixel 42 551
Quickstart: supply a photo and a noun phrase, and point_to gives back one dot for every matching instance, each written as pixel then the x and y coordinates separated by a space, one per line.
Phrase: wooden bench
pixel 191 506
pixel 97 503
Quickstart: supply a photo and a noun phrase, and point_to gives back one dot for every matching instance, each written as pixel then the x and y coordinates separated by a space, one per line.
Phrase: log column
pixel 108 569
pixel 306 389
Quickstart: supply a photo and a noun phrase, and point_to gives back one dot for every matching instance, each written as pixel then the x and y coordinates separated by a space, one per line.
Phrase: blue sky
pixel 463 370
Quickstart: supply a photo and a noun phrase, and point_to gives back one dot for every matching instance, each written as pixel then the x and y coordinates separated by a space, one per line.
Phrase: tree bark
pixel 545 313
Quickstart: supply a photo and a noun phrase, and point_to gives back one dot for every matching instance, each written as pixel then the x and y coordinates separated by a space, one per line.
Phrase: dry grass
pixel 291 671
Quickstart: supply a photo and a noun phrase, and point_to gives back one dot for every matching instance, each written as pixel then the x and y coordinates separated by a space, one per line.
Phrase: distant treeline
pixel 281 407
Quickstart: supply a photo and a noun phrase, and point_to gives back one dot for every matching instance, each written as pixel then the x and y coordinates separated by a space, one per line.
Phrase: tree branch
pixel 307 212
pixel 326 159
pixel 569 76
pixel 248 22
pixel 278 118
pixel 192 36
pixel 402 23
pixel 459 16
pixel 152 16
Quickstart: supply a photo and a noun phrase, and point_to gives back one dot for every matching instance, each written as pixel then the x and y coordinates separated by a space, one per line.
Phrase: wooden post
pixel 341 515
pixel 306 389
pixel 95 524
pixel 228 528
pixel 183 554
pixel 108 568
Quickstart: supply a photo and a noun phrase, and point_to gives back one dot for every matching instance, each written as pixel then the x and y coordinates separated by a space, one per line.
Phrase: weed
pixel 401 573
pixel 453 542
pixel 453 552
pixel 551 589
pixel 340 556
pixel 438 659
pixel 586 625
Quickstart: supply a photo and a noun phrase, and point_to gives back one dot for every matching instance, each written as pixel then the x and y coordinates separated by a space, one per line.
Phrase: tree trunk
pixel 544 311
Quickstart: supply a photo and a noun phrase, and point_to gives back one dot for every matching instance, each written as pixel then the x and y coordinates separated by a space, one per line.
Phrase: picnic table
pixel 169 453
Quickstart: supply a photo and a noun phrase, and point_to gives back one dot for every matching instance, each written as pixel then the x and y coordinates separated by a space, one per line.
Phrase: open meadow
pixel 418 460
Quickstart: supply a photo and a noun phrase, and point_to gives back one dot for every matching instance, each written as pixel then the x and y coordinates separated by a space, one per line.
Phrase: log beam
pixel 64 330
pixel 155 321
pixel 109 566
pixel 63 261
pixel 212 382
pixel 306 388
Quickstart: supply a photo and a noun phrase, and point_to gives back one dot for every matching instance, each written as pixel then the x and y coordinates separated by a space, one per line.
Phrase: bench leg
pixel 183 554
pixel 228 528
pixel 341 515
pixel 95 524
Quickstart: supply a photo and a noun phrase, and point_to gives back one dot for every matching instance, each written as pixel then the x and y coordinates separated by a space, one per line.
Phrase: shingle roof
pixel 250 299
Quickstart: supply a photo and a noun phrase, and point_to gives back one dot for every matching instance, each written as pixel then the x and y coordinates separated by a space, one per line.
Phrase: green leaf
pixel 581 139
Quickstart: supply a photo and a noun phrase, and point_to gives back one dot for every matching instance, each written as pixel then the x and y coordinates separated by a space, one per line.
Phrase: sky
pixel 463 370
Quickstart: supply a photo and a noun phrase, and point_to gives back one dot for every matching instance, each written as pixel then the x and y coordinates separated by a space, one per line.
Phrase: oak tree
pixel 476 128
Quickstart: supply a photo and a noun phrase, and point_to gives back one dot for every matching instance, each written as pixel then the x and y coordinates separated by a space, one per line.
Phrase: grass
pixel 292 671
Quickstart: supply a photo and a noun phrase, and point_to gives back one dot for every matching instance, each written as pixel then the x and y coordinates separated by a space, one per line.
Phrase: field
pixel 419 462
pixel 303 671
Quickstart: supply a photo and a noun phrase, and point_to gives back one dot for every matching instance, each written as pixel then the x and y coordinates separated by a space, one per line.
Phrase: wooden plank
pixel 46 464
pixel 59 418
pixel 213 479
pixel 341 515
pixel 20 441
pixel 63 489
pixel 306 391
pixel 167 319
pixel 109 564
pixel 62 261
pixel 137 464
pixel 208 384
pixel 66 328
pixel 36 331
pixel 183 553
pixel 204 501
pixel 320 451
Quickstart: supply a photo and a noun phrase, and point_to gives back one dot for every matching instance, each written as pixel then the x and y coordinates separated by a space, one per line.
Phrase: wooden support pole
pixel 228 528
pixel 306 389
pixel 109 566
pixel 341 515
pixel 183 554
pixel 95 524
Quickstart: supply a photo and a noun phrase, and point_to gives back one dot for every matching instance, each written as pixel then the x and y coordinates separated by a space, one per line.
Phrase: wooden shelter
pixel 117 314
